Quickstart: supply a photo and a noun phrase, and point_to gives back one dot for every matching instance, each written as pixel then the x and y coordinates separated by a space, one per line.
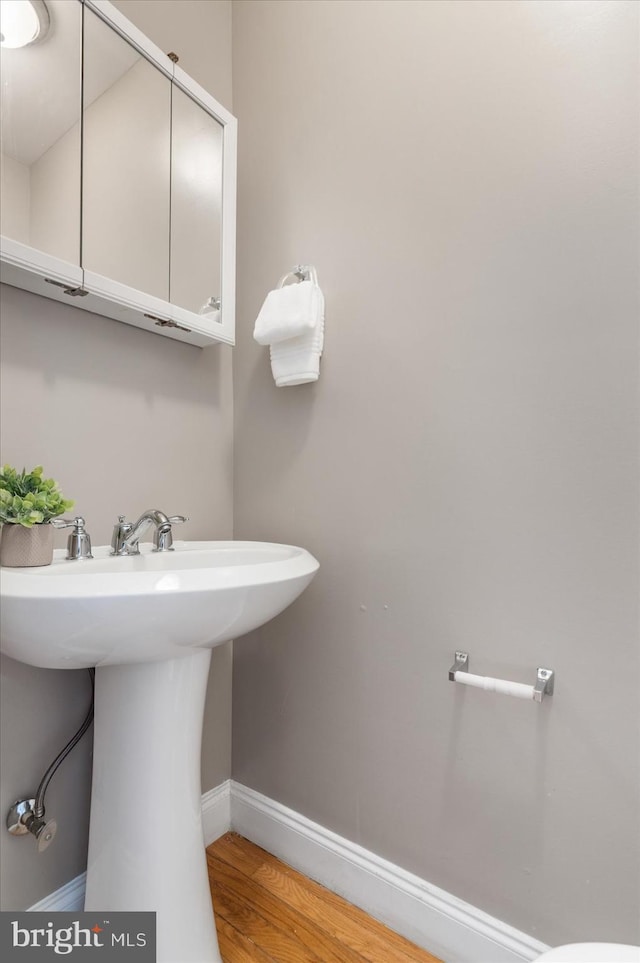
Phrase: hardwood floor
pixel 267 912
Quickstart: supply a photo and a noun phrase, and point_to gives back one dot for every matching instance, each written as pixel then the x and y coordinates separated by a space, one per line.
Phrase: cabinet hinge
pixel 72 292
pixel 164 323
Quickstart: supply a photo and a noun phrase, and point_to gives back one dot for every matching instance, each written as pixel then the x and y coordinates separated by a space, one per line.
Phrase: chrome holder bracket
pixel 545 679
pixel 460 665
pixel 301 272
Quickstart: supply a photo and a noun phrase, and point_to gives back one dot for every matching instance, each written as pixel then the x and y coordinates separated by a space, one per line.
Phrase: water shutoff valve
pixel 22 819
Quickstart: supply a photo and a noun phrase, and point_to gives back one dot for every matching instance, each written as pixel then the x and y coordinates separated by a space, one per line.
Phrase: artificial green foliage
pixel 26 498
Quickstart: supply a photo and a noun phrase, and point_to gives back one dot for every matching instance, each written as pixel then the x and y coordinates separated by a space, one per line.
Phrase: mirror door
pixel 196 206
pixel 40 137
pixel 126 162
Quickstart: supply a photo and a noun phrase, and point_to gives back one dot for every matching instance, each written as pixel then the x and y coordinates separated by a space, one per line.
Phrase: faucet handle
pixel 78 522
pixel 120 531
pixel 163 540
pixel 79 542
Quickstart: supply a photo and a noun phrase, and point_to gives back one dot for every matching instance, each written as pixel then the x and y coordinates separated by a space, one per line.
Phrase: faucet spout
pixel 126 535
pixel 152 517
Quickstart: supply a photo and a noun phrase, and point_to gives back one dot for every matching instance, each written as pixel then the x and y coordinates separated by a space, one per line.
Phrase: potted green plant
pixel 28 502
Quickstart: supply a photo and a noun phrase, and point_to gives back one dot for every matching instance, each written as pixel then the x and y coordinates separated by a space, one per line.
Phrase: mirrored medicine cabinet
pixel 118 178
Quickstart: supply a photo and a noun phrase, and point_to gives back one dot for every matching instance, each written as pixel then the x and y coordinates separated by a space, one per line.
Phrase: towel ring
pixel 301 272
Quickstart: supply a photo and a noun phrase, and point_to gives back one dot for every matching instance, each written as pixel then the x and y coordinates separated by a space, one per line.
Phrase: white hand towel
pixel 289 312
pixel 296 361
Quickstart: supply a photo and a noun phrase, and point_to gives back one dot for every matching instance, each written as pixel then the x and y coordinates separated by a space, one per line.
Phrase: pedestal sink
pixel 148 624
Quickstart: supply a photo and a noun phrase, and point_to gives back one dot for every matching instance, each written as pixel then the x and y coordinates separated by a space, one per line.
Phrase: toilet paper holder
pixel 545 679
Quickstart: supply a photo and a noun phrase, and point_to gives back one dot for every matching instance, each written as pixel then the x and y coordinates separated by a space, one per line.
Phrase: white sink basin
pixel 148 624
pixel 112 610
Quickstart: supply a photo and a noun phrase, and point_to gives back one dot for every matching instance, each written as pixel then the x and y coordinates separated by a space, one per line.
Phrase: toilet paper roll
pixel 516 689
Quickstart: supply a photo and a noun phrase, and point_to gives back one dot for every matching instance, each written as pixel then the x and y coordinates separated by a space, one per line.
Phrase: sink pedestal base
pixel 146 848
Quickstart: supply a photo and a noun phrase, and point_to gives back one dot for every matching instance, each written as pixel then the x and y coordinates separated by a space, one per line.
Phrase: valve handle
pixel 46 835
pixel 77 522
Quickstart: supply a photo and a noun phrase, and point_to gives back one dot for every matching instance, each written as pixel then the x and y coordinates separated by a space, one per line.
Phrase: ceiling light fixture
pixel 22 22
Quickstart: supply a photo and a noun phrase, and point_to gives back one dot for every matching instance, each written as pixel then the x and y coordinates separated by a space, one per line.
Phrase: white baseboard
pixel 434 919
pixel 68 899
pixel 429 916
pixel 216 812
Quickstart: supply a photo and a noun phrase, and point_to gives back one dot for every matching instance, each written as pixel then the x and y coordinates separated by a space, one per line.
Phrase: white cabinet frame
pixel 33 270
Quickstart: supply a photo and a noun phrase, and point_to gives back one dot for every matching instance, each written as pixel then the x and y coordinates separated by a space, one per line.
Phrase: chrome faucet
pixel 79 542
pixel 127 535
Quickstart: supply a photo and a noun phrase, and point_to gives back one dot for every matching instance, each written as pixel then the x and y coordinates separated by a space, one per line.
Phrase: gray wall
pixel 125 420
pixel 464 177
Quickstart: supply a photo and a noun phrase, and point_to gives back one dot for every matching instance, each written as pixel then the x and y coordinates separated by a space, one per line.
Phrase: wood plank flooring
pixel 267 912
